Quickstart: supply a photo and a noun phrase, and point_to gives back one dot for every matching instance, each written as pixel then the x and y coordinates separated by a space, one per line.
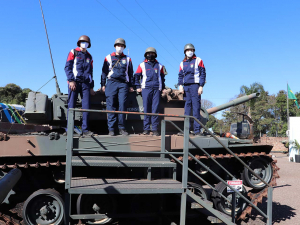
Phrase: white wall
pixel 294 134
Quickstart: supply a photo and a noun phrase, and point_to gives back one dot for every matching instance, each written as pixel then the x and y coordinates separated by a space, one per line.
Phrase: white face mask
pixel 119 49
pixel 189 53
pixel 84 44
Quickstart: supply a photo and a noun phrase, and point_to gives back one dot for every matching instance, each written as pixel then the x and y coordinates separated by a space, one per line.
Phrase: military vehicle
pixel 48 178
pixel 37 198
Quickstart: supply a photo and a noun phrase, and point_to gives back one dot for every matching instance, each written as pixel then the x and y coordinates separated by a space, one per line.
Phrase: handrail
pixel 196 175
pixel 70 147
pixel 205 152
pixel 179 116
pixel 214 174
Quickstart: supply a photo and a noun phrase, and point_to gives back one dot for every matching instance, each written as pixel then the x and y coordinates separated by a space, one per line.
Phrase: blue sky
pixel 240 42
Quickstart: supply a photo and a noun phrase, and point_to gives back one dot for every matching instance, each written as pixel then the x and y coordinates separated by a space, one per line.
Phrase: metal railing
pixel 184 164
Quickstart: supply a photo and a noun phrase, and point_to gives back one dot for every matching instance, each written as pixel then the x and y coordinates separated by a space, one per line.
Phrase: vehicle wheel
pixel 44 207
pixel 222 205
pixel 197 189
pixel 96 204
pixel 262 168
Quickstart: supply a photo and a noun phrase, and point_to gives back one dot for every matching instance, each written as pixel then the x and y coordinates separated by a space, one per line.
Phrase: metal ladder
pixel 75 185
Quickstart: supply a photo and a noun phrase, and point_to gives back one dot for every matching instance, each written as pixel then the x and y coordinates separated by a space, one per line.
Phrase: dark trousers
pixel 116 98
pixel 84 90
pixel 151 100
pixel 192 100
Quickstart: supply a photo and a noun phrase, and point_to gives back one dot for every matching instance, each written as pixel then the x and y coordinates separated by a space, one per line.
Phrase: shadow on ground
pixel 280 213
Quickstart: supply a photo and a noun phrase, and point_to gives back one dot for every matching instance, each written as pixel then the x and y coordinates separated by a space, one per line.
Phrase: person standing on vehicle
pixel 117 70
pixel 79 71
pixel 191 80
pixel 150 80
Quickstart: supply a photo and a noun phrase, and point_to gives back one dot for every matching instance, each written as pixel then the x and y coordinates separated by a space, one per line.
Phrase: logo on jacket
pixel 87 60
pixel 192 65
pixel 124 61
pixel 155 70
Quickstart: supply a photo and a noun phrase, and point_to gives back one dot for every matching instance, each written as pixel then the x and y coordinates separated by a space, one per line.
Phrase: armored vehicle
pixel 38 195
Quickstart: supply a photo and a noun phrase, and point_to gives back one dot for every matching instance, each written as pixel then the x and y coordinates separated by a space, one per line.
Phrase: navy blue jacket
pixel 192 71
pixel 80 69
pixel 150 75
pixel 122 72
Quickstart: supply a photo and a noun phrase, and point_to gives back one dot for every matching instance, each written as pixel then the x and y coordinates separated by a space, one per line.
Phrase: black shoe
pixel 111 133
pixel 123 132
pixel 87 133
pixel 199 134
pixel 155 133
pixel 146 132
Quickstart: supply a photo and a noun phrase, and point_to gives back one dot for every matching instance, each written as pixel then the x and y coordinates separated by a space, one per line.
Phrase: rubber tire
pixel 199 191
pixel 219 201
pixel 268 176
pixel 50 192
pixel 199 188
pixel 79 210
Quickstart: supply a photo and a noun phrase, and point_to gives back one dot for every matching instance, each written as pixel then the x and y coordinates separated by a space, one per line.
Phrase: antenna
pixel 57 87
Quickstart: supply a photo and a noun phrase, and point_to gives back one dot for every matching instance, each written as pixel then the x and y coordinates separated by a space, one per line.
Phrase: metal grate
pixel 101 161
pixel 119 186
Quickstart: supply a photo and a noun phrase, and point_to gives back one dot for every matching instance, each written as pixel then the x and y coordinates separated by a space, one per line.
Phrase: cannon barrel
pixel 233 103
pixel 8 182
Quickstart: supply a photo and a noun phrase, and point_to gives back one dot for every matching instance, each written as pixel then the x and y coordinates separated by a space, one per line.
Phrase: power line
pixel 122 22
pixel 159 28
pixel 130 29
pixel 146 30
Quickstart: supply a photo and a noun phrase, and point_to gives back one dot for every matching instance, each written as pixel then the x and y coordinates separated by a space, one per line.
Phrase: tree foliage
pixel 13 94
pixel 268 112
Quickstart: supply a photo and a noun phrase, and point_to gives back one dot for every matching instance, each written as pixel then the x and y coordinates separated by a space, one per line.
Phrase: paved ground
pixel 286 195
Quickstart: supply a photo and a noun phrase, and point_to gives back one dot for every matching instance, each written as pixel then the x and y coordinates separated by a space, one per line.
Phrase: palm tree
pixel 254 88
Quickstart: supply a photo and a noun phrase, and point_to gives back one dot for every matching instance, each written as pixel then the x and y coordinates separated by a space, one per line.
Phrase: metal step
pixel 108 161
pixel 82 185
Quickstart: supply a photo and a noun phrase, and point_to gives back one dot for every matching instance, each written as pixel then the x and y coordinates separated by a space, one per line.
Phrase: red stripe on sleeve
pixel 162 70
pixel 201 64
pixel 92 63
pixel 180 68
pixel 70 56
pixel 139 69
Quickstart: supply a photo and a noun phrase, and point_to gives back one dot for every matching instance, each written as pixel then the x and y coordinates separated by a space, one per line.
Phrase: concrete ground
pixel 286 195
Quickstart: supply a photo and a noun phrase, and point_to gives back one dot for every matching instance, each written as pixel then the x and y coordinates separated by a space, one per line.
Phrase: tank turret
pixel 53 111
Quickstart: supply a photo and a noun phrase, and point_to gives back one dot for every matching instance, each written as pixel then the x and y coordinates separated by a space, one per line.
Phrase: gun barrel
pixel 233 103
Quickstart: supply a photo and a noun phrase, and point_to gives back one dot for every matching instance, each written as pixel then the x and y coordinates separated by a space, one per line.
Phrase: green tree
pixel 211 121
pixel 218 126
pixel 13 94
pixel 263 114
pixel 253 88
